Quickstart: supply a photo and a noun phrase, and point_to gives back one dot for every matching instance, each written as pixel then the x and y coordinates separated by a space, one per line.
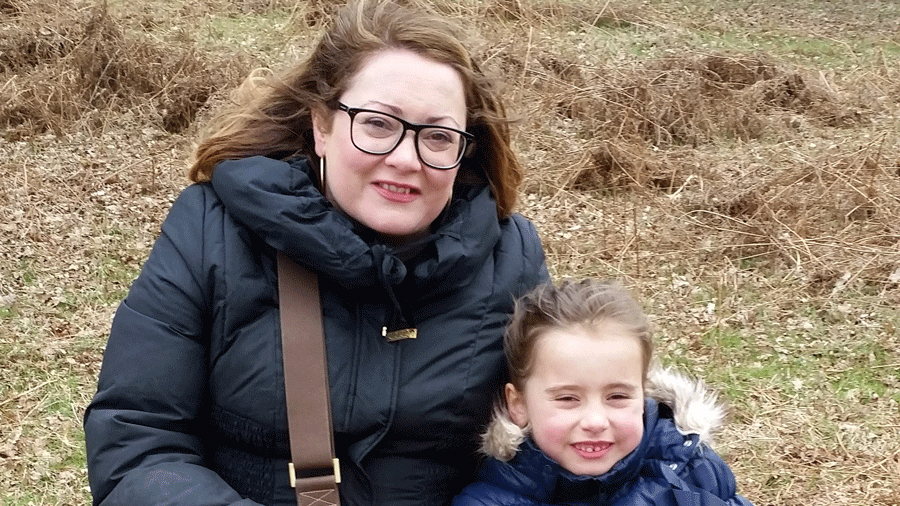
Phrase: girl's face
pixel 584 398
pixel 395 194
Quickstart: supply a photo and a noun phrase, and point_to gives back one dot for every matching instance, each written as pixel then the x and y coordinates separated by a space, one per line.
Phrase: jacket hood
pixel 696 410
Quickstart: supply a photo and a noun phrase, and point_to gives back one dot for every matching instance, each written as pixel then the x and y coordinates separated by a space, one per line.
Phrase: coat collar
pixel 531 473
pixel 278 201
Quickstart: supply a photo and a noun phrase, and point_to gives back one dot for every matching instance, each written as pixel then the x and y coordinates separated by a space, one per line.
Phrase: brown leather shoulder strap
pixel 306 386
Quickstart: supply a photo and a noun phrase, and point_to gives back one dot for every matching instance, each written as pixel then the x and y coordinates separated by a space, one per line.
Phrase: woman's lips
pixel 396 192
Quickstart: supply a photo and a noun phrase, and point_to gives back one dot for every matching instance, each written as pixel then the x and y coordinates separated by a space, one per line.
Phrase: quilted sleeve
pixel 141 429
pixel 533 261
pixel 707 471
pixel 486 494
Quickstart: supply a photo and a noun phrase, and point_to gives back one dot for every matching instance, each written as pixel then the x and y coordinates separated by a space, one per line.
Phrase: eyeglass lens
pixel 379 134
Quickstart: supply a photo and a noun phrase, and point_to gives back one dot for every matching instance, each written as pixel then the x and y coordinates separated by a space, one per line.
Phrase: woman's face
pixel 394 194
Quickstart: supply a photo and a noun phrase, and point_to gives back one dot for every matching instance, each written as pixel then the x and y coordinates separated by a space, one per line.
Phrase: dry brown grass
pixel 742 176
pixel 78 64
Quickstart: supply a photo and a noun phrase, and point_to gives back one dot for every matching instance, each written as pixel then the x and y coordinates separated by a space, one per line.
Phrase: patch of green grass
pixel 728 340
pixel 55 473
pixel 863 370
pixel 117 276
pixel 77 454
pixel 24 270
pixel 612 23
pixel 114 277
pixel 751 263
pixel 61 396
pixel 738 377
pixel 8 312
pixel 265 33
pixel 23 499
pixel 820 51
pixel 653 41
pixel 861 385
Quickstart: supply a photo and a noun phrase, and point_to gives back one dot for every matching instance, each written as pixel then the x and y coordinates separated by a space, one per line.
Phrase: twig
pixel 23 394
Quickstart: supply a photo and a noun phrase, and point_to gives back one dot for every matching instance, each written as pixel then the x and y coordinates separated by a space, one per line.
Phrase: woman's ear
pixel 321 122
pixel 515 404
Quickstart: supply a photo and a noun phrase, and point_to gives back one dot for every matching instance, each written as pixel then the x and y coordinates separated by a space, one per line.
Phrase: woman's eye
pixel 377 126
pixel 376 122
pixel 437 136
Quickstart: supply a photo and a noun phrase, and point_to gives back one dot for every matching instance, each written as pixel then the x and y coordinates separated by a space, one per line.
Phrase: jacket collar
pixel 279 202
pixel 532 474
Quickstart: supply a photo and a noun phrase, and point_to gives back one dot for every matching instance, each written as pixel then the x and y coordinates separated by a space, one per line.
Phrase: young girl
pixel 585 422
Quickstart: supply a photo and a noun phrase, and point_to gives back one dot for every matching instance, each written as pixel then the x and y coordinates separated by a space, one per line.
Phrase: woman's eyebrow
pixel 397 112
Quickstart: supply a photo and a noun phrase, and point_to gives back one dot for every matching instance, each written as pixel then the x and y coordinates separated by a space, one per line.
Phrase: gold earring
pixel 322 173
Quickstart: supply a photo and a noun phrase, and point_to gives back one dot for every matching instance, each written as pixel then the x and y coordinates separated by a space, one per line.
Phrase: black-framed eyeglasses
pixel 379 133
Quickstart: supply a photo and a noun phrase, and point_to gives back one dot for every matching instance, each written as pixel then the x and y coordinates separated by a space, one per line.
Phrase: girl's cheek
pixel 631 423
pixel 557 427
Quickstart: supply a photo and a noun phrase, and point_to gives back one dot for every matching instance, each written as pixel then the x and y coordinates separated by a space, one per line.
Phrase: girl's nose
pixel 595 419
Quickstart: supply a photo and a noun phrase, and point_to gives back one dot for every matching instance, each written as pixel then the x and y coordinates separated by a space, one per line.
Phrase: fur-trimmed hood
pixel 696 410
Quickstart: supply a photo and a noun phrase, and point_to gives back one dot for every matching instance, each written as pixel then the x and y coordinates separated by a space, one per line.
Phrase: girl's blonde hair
pixel 272 115
pixel 586 304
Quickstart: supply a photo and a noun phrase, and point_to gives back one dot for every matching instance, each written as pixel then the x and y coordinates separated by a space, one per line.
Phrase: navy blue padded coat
pixel 673 464
pixel 190 406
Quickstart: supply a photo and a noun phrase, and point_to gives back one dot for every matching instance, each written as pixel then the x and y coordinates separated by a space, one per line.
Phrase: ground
pixel 737 164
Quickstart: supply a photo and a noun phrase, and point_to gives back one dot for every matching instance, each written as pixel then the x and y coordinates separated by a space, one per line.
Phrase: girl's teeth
pixel 590 449
pixel 395 189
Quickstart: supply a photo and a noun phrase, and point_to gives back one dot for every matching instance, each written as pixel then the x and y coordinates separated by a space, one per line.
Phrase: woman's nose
pixel 405 154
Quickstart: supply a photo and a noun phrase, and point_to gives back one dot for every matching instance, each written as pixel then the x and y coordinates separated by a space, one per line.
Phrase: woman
pixel 382 164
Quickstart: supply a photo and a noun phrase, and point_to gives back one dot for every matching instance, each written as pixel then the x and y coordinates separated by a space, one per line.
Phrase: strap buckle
pixel 336 472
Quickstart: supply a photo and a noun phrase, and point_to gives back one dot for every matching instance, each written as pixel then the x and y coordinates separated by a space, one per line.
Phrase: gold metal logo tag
pixel 398 335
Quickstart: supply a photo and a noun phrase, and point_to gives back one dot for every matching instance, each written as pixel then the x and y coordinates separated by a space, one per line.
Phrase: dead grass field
pixel 738 165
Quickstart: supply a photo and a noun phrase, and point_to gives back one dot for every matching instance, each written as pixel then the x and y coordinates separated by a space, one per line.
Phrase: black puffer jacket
pixel 190 405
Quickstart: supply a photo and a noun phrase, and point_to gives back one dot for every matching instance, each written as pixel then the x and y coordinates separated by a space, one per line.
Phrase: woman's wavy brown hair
pixel 272 115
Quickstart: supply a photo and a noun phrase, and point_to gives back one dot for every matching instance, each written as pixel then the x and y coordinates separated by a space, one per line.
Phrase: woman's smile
pixel 397 192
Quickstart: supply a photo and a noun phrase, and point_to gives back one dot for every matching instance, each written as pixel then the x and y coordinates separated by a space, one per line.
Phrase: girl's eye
pixel 620 398
pixel 566 398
